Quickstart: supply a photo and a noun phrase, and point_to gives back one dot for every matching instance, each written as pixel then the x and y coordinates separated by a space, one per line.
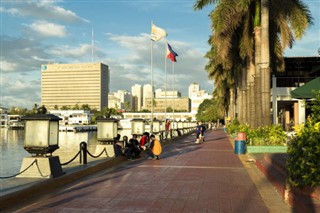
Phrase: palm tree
pixel 233 22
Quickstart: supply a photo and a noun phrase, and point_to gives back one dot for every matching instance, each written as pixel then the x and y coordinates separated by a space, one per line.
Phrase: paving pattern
pixel 189 177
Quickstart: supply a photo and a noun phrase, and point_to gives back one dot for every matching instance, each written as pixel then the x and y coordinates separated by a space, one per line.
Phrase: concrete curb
pixel 46 186
pixel 43 187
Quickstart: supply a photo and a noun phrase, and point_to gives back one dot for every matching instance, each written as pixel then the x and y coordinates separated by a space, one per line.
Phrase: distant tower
pixel 136 92
pixel 194 89
pixel 147 93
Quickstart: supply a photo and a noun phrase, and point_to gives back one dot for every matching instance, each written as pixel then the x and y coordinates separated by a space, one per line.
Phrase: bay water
pixel 12 151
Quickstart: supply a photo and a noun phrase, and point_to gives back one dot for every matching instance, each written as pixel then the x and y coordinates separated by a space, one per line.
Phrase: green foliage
pixel 262 136
pixel 304 151
pixel 208 111
pixel 303 161
pixel 267 136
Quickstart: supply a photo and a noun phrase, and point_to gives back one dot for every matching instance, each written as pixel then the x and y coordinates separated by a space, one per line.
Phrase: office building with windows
pixel 69 85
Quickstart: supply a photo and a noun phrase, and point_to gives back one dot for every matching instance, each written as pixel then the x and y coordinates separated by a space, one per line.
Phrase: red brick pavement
pixel 190 177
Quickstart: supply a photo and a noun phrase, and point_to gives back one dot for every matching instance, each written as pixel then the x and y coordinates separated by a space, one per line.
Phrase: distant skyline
pixel 41 32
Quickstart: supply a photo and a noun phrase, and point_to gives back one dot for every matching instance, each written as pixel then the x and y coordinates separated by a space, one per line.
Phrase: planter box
pixel 267 149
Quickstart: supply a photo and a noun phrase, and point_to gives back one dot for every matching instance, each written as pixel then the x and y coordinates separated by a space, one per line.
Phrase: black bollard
pixel 83 152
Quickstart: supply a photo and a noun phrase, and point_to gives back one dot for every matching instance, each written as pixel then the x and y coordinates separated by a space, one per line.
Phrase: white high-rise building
pixel 136 92
pixel 147 93
pixel 125 99
pixel 194 89
pixel 197 96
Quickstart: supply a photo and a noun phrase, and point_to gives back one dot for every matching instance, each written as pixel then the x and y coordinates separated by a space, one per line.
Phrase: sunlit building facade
pixel 74 84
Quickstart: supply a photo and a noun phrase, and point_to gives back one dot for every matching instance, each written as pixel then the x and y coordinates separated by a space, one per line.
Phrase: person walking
pixel 198 132
pixel 155 149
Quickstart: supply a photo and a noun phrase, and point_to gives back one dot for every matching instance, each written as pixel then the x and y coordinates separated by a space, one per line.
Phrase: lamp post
pixel 107 131
pixel 41 140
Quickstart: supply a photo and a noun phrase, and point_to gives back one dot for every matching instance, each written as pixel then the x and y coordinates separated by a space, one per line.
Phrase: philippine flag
pixel 171 54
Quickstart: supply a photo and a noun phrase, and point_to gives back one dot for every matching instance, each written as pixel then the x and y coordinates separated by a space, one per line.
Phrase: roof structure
pixel 308 90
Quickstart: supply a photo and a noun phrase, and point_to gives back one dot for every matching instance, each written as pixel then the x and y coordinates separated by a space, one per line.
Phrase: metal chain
pixel 63 164
pixel 40 170
pixel 104 150
pixel 19 172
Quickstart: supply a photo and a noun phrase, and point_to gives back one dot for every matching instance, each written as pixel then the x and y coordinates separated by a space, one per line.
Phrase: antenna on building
pixel 92 46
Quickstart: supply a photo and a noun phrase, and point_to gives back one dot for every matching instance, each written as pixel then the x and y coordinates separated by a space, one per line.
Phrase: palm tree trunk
pixel 265 62
pixel 258 111
pixel 245 94
pixel 251 92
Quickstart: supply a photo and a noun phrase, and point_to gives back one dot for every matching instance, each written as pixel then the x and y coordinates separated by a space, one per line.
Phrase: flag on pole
pixel 157 33
pixel 171 54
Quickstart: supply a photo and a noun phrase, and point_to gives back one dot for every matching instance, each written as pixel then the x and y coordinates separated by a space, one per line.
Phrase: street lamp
pixel 41 133
pixel 107 131
pixel 41 139
pixel 137 126
pixel 156 126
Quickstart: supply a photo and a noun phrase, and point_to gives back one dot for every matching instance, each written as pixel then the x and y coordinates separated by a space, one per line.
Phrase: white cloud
pixel 7 66
pixel 134 65
pixel 68 51
pixel 46 29
pixel 43 10
pixel 16 91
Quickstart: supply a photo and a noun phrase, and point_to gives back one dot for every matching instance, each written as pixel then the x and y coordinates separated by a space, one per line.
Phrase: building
pixel 125 99
pixel 197 96
pixel 136 92
pixel 286 110
pixel 169 94
pixel 74 84
pixel 73 116
pixel 173 104
pixel 177 116
pixel 3 117
pixel 121 99
pixel 113 101
pixel 147 92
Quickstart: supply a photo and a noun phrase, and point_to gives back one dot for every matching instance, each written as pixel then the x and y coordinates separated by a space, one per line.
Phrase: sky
pixel 42 32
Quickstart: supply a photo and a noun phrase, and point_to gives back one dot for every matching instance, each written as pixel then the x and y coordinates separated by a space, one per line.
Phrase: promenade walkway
pixel 206 177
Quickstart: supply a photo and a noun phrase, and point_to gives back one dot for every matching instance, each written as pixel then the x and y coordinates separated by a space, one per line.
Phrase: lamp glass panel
pixel 115 129
pixel 105 130
pixel 53 133
pixel 156 126
pixel 36 133
pixel 137 127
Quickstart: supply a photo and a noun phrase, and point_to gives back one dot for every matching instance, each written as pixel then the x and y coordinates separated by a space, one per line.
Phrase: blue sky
pixel 40 32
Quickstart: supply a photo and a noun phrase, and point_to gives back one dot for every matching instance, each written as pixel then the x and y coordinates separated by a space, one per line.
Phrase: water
pixel 12 151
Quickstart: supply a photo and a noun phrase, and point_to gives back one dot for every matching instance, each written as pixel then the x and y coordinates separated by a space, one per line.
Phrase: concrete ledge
pixel 37 189
pixel 266 149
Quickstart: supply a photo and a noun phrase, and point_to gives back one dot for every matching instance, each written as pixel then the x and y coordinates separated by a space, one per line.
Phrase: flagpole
pixel 165 84
pixel 173 104
pixel 151 125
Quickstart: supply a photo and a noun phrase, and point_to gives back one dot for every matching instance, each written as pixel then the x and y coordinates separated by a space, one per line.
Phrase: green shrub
pixel 304 150
pixel 303 157
pixel 264 136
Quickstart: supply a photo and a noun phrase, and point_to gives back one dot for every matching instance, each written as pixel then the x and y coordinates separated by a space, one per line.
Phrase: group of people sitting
pixel 133 148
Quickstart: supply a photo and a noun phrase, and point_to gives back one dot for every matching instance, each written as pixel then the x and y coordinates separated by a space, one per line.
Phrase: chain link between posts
pixel 82 148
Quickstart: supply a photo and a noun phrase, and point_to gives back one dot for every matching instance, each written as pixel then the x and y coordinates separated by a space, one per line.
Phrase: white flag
pixel 157 33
